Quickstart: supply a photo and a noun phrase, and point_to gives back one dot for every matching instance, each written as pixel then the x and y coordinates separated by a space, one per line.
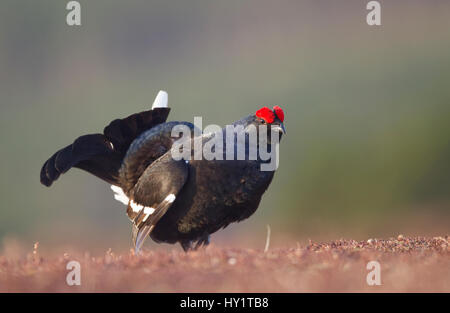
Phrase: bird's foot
pixel 188 245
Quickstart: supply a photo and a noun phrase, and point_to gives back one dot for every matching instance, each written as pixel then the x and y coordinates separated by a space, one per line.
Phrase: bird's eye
pixel 263 122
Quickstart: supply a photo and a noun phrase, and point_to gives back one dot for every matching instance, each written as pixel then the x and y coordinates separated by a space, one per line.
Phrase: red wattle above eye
pixel 279 112
pixel 266 114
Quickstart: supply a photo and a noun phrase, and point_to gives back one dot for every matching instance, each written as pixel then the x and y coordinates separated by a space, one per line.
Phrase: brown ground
pixel 407 264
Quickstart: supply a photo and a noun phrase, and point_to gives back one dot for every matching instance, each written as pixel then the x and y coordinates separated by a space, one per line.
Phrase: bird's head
pixel 273 118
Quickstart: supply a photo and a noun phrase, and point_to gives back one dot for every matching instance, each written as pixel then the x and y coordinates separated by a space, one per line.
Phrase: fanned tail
pixel 102 154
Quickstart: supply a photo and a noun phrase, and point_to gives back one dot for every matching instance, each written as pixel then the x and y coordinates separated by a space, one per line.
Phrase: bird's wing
pixel 153 195
pixel 146 149
pixel 102 154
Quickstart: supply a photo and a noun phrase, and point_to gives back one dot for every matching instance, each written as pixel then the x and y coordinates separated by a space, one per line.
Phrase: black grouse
pixel 175 199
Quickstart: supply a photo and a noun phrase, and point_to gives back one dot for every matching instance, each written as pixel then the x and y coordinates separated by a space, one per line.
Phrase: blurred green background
pixel 367 109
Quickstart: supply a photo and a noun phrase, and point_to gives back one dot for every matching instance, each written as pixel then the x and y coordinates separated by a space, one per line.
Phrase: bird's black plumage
pixel 169 199
pixel 102 154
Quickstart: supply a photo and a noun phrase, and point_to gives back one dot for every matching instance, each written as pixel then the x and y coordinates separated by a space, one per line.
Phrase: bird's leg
pixel 203 241
pixel 186 245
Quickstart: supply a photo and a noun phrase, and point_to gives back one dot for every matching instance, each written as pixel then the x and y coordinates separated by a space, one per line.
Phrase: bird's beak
pixel 280 128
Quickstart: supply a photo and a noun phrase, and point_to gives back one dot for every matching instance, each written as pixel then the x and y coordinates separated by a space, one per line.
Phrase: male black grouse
pixel 172 200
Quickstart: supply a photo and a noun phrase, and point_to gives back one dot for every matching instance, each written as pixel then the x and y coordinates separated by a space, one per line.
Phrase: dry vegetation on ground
pixel 407 264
